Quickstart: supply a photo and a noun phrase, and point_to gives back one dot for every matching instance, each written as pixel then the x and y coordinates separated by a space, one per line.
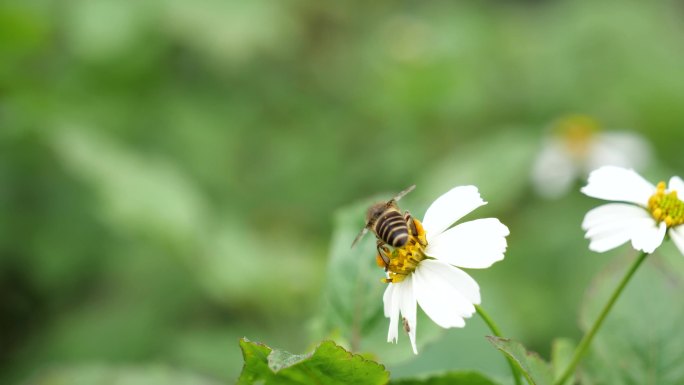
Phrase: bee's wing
pixel 401 194
pixel 359 236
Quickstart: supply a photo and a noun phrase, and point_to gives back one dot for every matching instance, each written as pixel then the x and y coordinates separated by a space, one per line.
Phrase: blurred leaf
pixel 535 369
pixel 211 349
pixel 231 32
pixel 126 318
pixel 138 192
pixel 452 378
pixel 640 340
pixel 23 24
pixel 328 364
pixel 499 165
pixel 562 350
pixel 152 196
pixel 456 350
pixel 105 375
pixel 245 278
pixel 105 29
pixel 352 297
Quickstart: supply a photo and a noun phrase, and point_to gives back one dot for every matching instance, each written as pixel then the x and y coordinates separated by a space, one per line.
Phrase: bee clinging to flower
pixel 422 259
pixel 390 226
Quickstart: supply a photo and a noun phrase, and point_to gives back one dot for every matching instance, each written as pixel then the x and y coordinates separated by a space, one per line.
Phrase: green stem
pixel 497 332
pixel 586 340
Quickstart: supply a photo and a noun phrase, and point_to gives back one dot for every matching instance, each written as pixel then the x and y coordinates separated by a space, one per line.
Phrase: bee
pixel 389 226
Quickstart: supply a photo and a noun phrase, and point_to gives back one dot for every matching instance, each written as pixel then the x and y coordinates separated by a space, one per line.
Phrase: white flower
pixel 446 293
pixel 646 212
pixel 577 146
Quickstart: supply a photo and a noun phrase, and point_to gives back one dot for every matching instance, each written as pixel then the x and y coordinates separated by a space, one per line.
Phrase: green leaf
pixel 328 364
pixel 96 374
pixel 562 350
pixel 535 369
pixel 451 378
pixel 352 298
pixel 640 340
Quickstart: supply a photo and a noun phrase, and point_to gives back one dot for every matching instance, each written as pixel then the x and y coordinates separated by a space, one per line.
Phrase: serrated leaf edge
pixel 495 340
pixel 349 355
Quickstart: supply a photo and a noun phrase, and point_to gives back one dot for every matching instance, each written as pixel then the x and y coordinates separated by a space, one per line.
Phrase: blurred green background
pixel 170 170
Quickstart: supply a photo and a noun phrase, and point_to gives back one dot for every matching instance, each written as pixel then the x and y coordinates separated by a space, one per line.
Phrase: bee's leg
pixel 413 228
pixel 383 254
pixel 411 225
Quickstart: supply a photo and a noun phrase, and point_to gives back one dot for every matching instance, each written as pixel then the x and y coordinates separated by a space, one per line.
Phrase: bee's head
pixel 376 210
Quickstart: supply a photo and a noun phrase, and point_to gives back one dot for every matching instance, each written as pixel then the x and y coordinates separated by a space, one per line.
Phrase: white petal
pixel 622 149
pixel 676 184
pixel 449 208
pixel 649 236
pixel 439 295
pixel 613 212
pixel 554 170
pixel 391 301
pixel 618 184
pixel 387 300
pixel 476 244
pixel 677 235
pixel 461 281
pixel 611 225
pixel 407 305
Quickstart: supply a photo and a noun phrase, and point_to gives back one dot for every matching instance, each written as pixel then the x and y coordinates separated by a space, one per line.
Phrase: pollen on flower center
pixel 405 259
pixel 577 132
pixel 666 207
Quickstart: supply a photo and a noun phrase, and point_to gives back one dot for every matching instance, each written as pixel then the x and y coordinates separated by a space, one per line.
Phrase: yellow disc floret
pixel 666 207
pixel 577 132
pixel 405 259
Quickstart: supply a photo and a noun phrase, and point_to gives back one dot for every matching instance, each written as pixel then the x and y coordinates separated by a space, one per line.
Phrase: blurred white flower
pixel 647 214
pixel 577 146
pixel 423 271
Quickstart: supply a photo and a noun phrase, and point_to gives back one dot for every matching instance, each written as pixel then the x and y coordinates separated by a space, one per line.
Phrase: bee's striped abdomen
pixel 391 228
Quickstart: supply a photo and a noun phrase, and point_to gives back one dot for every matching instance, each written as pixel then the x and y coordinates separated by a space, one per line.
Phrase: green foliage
pixel 328 364
pixel 105 375
pixel 478 162
pixel 535 369
pixel 562 350
pixel 640 340
pixel 451 378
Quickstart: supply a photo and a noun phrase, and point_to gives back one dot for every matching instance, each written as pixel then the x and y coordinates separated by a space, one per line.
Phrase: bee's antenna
pixel 359 236
pixel 403 193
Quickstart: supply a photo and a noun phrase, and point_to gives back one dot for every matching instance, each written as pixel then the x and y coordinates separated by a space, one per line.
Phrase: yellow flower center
pixel 577 132
pixel 666 207
pixel 405 259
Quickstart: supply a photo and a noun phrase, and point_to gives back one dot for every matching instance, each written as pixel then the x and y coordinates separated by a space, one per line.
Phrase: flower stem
pixel 497 332
pixel 586 340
